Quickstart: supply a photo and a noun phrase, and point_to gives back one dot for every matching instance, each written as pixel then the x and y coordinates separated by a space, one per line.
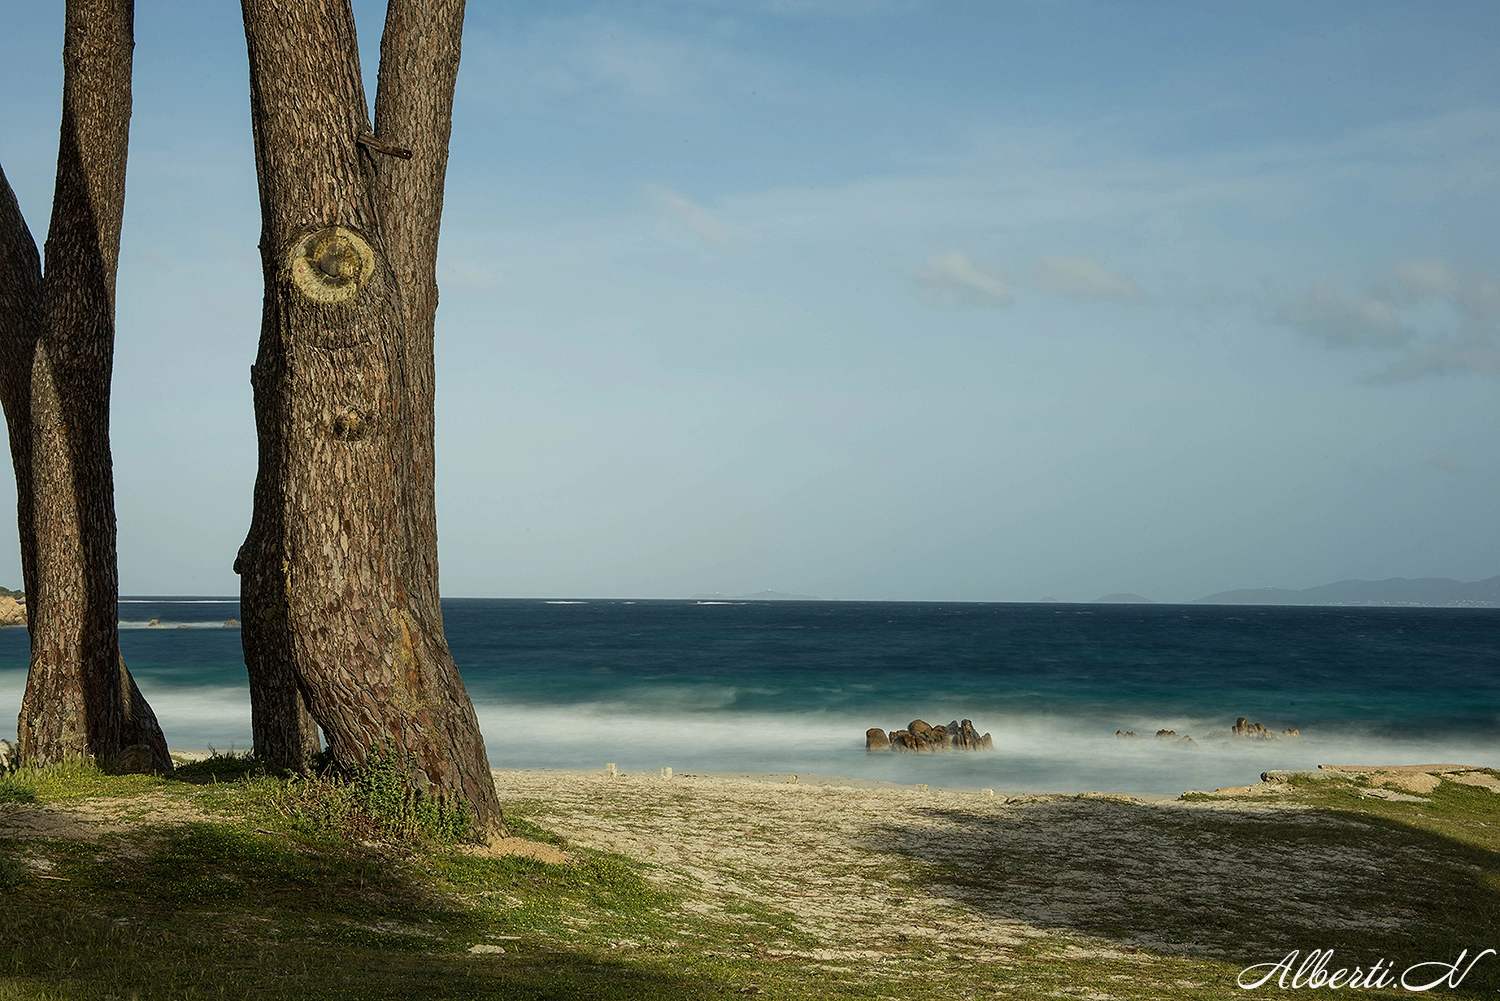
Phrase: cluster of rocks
pixel 1241 728
pixel 12 612
pixel 1160 735
pixel 1259 731
pixel 922 738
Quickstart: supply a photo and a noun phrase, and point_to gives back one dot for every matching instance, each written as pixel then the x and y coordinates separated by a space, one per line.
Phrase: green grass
pixel 269 895
pixel 262 902
pixel 71 780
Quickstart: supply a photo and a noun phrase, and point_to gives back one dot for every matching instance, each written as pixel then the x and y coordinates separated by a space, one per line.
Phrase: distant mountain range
pixel 1421 591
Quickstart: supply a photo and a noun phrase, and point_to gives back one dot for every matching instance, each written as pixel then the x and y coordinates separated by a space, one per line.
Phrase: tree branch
pixel 371 143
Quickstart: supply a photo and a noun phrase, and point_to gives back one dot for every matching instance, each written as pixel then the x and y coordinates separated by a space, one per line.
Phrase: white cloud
pixel 1083 278
pixel 1344 320
pixel 1443 316
pixel 1479 298
pixel 1476 357
pixel 952 278
pixel 694 218
pixel 1422 280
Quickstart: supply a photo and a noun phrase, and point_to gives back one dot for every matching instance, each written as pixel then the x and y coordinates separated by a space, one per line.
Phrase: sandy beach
pixel 862 874
pixel 697 884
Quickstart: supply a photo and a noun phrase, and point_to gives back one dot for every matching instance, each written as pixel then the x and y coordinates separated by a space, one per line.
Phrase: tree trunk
pixel 58 337
pixel 339 572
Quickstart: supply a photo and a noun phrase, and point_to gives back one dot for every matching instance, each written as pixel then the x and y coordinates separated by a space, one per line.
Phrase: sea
pixel 790 687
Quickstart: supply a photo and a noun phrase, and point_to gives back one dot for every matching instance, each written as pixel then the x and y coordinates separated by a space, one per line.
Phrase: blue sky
pixel 902 300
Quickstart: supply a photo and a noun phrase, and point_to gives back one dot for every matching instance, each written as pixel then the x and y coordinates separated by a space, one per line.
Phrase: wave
pixel 191 717
pixel 170 624
pixel 692 729
pixel 1032 752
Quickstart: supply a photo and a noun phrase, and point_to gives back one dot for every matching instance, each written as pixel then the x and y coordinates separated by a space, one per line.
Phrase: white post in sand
pixel 666 772
pixel 609 769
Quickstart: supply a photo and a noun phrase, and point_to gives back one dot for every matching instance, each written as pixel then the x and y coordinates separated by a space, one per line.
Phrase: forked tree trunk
pixel 340 616
pixel 56 355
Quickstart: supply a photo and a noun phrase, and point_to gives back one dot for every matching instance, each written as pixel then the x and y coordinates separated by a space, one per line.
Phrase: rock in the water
pixel 1165 734
pixel 231 623
pixel 922 738
pixel 1259 731
pixel 899 739
pixel 967 738
pixel 12 612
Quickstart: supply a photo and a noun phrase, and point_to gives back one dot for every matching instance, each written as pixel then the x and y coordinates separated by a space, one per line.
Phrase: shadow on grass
pixel 1229 882
pixel 224 768
pixel 215 910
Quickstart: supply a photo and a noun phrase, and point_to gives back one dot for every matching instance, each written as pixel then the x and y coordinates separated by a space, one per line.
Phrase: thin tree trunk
pixel 59 336
pixel 339 584
pixel 20 326
pixel 419 53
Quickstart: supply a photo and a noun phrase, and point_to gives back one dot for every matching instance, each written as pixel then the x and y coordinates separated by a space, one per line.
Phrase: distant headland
pixel 1427 592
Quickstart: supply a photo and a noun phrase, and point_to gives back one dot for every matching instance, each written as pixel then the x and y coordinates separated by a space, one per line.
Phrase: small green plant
pixel 13 790
pixel 374 801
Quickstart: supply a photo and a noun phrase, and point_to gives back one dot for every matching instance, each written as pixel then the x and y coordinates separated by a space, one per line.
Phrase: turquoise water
pixel 792 686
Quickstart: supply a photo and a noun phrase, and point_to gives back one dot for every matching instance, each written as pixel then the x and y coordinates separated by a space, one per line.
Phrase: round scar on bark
pixel 332 264
pixel 348 425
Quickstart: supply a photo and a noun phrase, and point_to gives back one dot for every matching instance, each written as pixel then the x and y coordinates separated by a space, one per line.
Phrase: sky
pixel 868 300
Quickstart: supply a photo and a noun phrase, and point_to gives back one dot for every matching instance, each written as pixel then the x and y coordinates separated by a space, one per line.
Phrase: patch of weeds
pixel 1469 815
pixel 14 791
pixel 520 827
pixel 12 873
pixel 76 778
pixel 373 802
pixel 600 880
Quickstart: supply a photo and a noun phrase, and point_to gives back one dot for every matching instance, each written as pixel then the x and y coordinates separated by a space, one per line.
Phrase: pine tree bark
pixel 339 586
pixel 57 337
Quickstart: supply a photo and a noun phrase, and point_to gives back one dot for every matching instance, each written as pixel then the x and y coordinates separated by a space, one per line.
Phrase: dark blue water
pixel 791 686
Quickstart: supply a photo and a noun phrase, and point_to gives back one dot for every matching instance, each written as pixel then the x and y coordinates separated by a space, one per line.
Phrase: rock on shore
pixel 922 738
pixel 12 612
